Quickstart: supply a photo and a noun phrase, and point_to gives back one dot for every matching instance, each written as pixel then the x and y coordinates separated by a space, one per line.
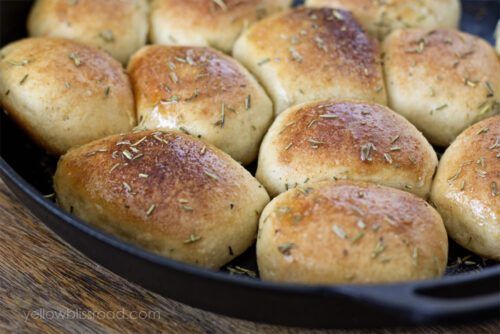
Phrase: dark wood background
pixel 38 271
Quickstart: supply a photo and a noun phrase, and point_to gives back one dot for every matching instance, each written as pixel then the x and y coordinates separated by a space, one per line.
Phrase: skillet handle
pixel 459 298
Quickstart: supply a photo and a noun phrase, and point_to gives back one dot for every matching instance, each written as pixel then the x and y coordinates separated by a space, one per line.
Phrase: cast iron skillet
pixel 469 292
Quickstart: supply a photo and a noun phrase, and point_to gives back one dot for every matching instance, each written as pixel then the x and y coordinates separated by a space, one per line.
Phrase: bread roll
pixel 379 18
pixel 204 93
pixel 64 93
pixel 167 192
pixel 311 54
pixel 441 80
pixel 215 23
pixel 117 26
pixel 353 140
pixel 467 187
pixel 350 232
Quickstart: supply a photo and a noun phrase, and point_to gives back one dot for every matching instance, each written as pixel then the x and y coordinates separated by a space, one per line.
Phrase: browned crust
pixel 336 131
pixel 472 165
pixel 448 55
pixel 165 191
pixel 323 43
pixel 169 76
pixel 178 167
pixel 368 233
pixel 214 14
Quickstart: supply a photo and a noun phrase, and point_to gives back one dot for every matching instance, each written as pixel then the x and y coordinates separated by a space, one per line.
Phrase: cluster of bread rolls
pixel 339 100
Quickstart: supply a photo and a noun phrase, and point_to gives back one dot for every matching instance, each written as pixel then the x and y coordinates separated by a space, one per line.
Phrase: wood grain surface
pixel 44 282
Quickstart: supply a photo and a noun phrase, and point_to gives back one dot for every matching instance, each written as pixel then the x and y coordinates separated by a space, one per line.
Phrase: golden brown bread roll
pixel 168 192
pixel 467 187
pixel 215 23
pixel 350 232
pixel 441 80
pixel 203 92
pixel 340 139
pixel 117 26
pixel 311 54
pixel 64 93
pixel 379 18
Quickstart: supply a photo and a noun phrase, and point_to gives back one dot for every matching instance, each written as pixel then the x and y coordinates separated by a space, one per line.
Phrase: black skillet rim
pixel 399 297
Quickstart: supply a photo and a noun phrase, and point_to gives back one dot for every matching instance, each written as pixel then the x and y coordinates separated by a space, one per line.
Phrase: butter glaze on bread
pixel 64 93
pixel 203 92
pixel 379 18
pixel 339 139
pixel 167 192
pixel 441 80
pixel 350 232
pixel 205 22
pixel 117 26
pixel 466 190
pixel 309 54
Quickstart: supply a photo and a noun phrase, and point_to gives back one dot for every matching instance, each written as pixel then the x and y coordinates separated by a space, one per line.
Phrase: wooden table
pixel 44 282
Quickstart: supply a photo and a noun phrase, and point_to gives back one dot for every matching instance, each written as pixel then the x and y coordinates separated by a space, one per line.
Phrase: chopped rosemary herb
pixel 237 270
pixel 494 189
pixel 357 237
pixel 329 116
pixel 441 107
pixel 388 158
pixel 221 4
pixel 295 55
pixel 366 151
pixel 338 15
pixel 18 63
pixel 106 91
pixel 248 102
pixel 339 232
pixel 174 77
pixel 379 248
pixel 395 148
pixel 186 208
pixel 192 238
pixel 23 80
pixel 483 130
pixel 264 61
pixel 76 60
pixel 127 154
pixel 222 119
pixel 115 166
pixel 211 175
pixel 127 187
pixel 139 141
pixel 288 146
pixel 361 224
pixel 286 248
pixel 489 87
pixel 496 144
pixel 107 36
pixel 393 140
pixel 150 210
